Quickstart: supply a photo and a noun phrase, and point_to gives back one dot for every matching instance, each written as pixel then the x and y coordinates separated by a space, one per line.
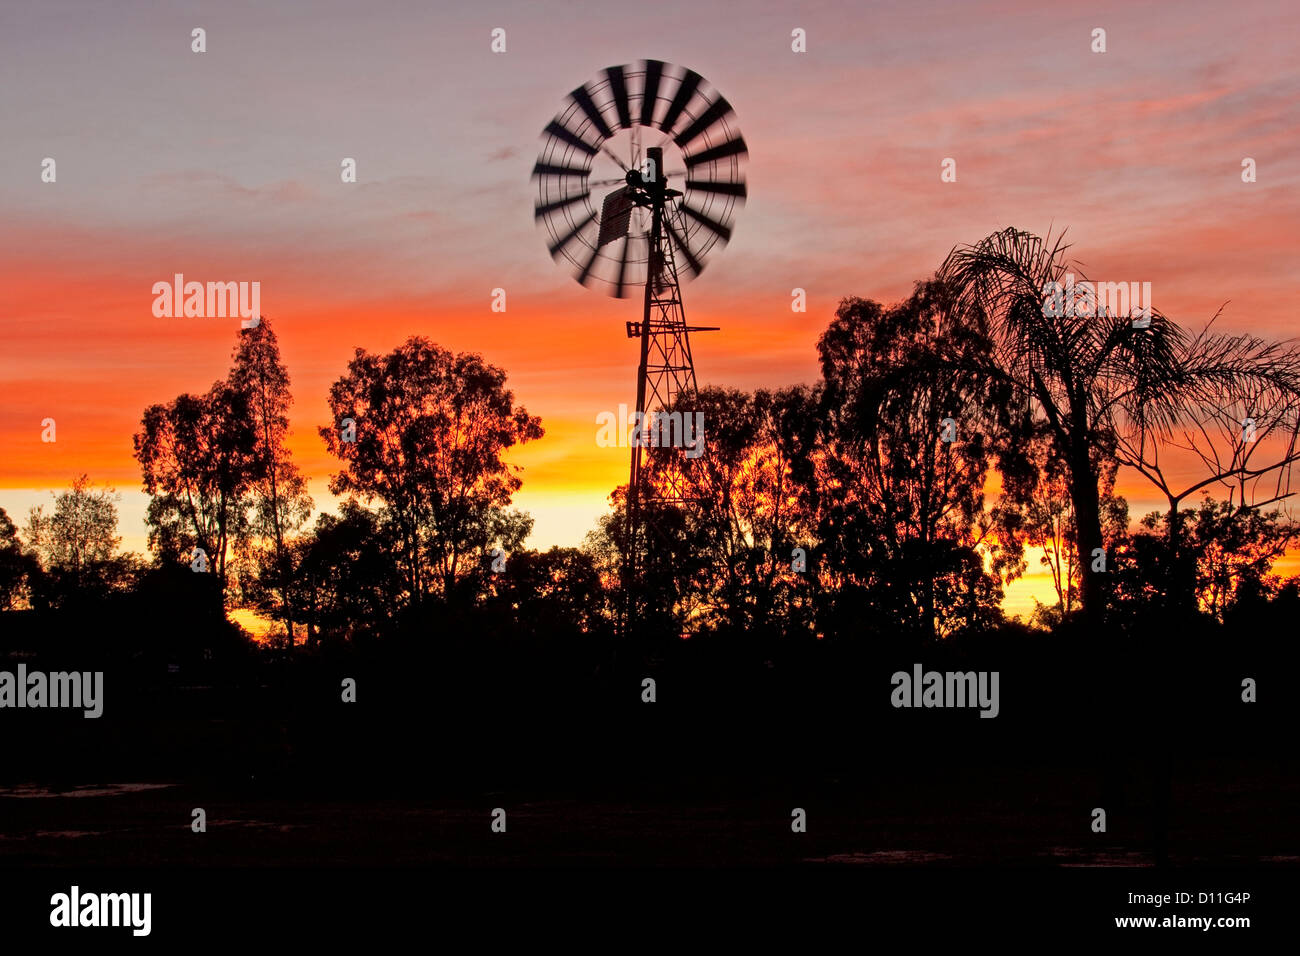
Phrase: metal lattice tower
pixel 666 370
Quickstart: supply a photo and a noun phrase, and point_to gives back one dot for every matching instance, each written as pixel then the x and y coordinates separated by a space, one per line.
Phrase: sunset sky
pixel 224 166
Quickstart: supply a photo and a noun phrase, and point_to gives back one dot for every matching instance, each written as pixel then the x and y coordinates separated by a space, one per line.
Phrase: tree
pixel 277 493
pixel 910 430
pixel 431 428
pixel 345 583
pixel 18 567
pixel 79 533
pixel 1230 548
pixel 672 568
pixel 550 596
pixel 1092 375
pixel 1246 435
pixel 1047 515
pixel 74 547
pixel 748 513
pixel 198 456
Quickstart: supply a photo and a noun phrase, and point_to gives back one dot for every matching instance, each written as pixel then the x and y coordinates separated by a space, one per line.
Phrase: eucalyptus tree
pixel 748 514
pixel 280 504
pixel 198 460
pixel 909 430
pixel 424 432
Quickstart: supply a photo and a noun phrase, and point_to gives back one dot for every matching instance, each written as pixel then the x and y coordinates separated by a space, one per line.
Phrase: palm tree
pixel 1097 377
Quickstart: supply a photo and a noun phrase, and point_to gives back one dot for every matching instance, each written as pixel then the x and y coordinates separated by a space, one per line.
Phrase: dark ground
pixel 1223 813
pixel 589 774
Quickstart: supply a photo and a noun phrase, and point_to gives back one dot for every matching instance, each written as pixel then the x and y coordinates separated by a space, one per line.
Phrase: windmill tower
pixel 639 131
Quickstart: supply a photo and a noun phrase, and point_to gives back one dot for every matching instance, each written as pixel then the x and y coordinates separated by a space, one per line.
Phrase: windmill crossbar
pixel 634 328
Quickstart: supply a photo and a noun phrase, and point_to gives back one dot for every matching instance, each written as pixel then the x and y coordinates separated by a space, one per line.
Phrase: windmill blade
pixel 585 272
pixel 709 186
pixel 732 147
pixel 618 87
pixel 654 71
pixel 622 269
pixel 558 246
pixel 691 260
pixel 708 222
pixel 690 83
pixel 588 106
pixel 614 156
pixel 558 204
pixel 570 137
pixel 717 109
pixel 548 169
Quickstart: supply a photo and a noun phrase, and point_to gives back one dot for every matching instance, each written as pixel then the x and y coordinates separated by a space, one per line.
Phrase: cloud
pixel 216 185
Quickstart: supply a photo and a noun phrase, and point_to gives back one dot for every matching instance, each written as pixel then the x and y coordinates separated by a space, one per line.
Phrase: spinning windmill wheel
pixel 593 195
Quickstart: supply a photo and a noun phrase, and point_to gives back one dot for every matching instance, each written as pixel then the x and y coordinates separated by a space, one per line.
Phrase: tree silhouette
pixel 1047 514
pixel 550 597
pixel 345 582
pixel 76 545
pixel 431 428
pixel 1228 552
pixel 1245 434
pixel 198 456
pixel 1093 376
pixel 673 568
pixel 749 513
pixel 18 567
pixel 80 531
pixel 910 430
pixel 277 492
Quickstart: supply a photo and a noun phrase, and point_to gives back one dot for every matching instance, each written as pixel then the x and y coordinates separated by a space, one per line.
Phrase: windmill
pixel 632 133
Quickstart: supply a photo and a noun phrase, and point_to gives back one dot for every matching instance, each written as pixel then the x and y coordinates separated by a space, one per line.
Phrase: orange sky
pixel 224 166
